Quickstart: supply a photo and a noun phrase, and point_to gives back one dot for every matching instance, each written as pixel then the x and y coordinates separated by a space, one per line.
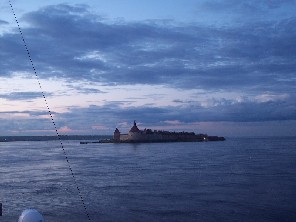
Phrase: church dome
pixel 134 129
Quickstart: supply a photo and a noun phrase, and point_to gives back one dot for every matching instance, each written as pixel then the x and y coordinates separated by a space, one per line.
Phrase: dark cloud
pixel 69 42
pixel 85 90
pixel 251 9
pixel 104 119
pixel 225 110
pixel 22 95
pixel 2 22
pixel 252 56
pixel 26 122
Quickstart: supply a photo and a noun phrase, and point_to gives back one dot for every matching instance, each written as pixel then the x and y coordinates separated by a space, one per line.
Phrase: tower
pixel 116 135
pixel 134 129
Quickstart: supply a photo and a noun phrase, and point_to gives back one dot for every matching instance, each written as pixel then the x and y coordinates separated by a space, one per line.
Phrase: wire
pixel 49 111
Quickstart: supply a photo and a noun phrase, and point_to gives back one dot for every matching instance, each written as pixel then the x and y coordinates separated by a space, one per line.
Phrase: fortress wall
pixel 141 136
pixel 134 136
pixel 124 137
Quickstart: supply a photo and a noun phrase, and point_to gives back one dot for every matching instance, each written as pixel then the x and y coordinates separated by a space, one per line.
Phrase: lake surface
pixel 245 179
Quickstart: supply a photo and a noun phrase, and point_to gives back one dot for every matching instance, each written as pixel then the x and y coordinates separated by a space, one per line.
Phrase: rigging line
pixel 49 111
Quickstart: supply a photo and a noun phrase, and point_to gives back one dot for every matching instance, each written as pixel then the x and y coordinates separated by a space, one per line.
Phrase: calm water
pixel 234 180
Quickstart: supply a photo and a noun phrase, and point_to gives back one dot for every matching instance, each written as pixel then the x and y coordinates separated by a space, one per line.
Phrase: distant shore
pixel 49 138
pixel 198 139
pixel 84 138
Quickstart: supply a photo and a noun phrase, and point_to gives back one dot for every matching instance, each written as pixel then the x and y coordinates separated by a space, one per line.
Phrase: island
pixel 135 135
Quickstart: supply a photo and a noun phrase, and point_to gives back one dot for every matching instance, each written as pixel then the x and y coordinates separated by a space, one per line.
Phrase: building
pixel 148 135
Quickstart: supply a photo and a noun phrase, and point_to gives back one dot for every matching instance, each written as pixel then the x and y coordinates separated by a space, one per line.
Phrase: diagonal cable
pixel 49 111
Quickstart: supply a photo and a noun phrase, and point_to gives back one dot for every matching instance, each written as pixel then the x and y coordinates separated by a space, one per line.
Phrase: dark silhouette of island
pixel 135 135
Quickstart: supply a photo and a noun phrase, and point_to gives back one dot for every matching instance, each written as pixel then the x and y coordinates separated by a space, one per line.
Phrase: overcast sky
pixel 222 67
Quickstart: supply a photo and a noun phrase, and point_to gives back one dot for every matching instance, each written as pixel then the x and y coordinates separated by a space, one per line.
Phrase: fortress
pixel 148 135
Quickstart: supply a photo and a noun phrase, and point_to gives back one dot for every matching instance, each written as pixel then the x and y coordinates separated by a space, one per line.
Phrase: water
pixel 234 180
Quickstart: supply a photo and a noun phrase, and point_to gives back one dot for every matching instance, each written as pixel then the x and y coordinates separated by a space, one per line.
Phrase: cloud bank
pixel 69 42
pixel 254 57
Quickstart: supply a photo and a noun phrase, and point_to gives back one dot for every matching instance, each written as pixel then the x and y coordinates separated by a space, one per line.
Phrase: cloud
pixel 112 114
pixel 254 58
pixel 85 90
pixel 103 119
pixel 69 42
pixel 2 22
pixel 246 10
pixel 25 123
pixel 22 95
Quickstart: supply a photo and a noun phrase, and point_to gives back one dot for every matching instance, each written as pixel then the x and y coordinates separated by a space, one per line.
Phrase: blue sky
pixel 219 67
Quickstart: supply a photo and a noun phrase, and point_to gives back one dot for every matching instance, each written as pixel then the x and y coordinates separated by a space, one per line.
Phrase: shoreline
pixel 202 139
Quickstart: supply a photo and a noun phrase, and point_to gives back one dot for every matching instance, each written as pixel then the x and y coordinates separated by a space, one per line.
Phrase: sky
pixel 221 67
